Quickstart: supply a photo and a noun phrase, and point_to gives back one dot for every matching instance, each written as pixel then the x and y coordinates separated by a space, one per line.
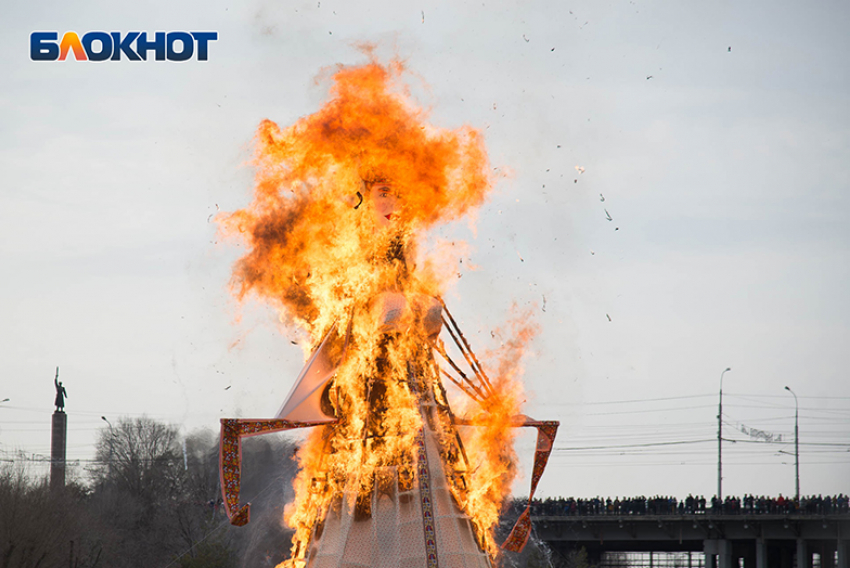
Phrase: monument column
pixel 58 434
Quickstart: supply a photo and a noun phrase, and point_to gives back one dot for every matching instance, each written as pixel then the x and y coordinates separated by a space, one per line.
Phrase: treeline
pixel 151 499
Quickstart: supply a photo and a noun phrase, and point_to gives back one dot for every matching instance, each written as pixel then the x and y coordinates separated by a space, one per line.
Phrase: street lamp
pixel 720 439
pixel 796 440
pixel 111 440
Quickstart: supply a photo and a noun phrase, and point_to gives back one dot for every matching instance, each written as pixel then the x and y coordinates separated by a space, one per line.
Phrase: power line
pixel 650 410
pixel 786 396
pixel 676 443
pixel 682 442
pixel 682 463
pixel 626 401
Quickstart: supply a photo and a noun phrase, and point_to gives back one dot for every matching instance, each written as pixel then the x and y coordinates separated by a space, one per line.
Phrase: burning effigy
pixel 397 470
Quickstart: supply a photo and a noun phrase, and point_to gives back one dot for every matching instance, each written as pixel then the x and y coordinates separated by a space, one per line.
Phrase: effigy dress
pixel 400 511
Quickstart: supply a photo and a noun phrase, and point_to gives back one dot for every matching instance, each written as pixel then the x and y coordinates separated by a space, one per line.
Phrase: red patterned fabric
pixel 546 431
pixel 518 538
pixel 427 502
pixel 230 458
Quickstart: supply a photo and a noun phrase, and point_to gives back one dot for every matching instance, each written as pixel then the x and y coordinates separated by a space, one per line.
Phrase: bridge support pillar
pixel 786 557
pixel 843 554
pixel 725 554
pixel 718 553
pixel 804 555
pixel 761 553
pixel 827 557
pixel 710 547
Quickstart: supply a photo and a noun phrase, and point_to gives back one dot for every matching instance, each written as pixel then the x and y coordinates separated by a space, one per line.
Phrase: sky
pixel 675 202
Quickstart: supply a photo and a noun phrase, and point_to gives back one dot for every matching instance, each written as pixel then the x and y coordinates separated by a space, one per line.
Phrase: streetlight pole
pixel 111 441
pixel 720 439
pixel 796 441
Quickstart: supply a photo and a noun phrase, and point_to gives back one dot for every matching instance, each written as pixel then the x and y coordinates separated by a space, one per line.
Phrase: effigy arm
pixel 546 431
pixel 230 458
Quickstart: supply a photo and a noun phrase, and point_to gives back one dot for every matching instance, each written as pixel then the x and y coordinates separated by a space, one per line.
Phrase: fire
pixel 489 443
pixel 342 201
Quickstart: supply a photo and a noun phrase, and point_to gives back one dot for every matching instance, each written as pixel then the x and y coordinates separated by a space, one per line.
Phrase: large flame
pixel 490 441
pixel 318 251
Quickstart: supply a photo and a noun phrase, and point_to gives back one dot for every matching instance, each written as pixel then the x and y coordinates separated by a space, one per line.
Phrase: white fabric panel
pixel 303 403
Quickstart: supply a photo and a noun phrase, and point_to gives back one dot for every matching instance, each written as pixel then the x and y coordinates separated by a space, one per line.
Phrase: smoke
pixel 267 474
pixel 536 554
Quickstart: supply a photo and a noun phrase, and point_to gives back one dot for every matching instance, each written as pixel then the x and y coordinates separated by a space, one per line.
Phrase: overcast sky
pixel 716 137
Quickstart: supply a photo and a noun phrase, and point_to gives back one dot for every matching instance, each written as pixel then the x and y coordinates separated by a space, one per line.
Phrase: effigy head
pixel 313 245
pixel 384 200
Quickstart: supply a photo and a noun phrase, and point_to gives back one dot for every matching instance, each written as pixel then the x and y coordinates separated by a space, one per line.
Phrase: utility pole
pixel 720 438
pixel 796 441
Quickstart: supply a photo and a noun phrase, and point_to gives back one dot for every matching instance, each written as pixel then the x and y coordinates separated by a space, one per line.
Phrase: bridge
pixel 711 539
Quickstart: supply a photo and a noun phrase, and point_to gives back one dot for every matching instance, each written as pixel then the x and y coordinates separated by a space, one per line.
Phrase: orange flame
pixel 320 252
pixel 490 442
pixel 303 234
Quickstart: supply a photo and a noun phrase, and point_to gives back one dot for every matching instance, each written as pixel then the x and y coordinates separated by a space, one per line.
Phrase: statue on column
pixel 61 393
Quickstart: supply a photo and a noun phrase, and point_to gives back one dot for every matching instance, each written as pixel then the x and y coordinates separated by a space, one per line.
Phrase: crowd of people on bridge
pixel 692 505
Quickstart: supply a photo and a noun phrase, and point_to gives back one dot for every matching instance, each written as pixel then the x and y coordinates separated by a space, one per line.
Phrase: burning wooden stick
pixel 441 350
pixel 479 371
pixel 459 385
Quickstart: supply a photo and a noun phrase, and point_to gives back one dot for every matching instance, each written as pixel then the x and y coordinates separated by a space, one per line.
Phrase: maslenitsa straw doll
pixel 391 473
pixel 341 201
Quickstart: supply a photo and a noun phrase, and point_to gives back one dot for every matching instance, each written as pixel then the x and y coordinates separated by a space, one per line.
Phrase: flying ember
pixel 397 470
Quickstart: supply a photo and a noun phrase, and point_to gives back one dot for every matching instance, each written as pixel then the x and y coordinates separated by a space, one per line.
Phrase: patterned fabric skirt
pixel 409 525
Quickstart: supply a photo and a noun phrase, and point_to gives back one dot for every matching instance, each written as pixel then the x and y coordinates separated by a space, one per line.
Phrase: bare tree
pixel 140 457
pixel 136 490
pixel 40 527
pixel 154 500
pixel 199 513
